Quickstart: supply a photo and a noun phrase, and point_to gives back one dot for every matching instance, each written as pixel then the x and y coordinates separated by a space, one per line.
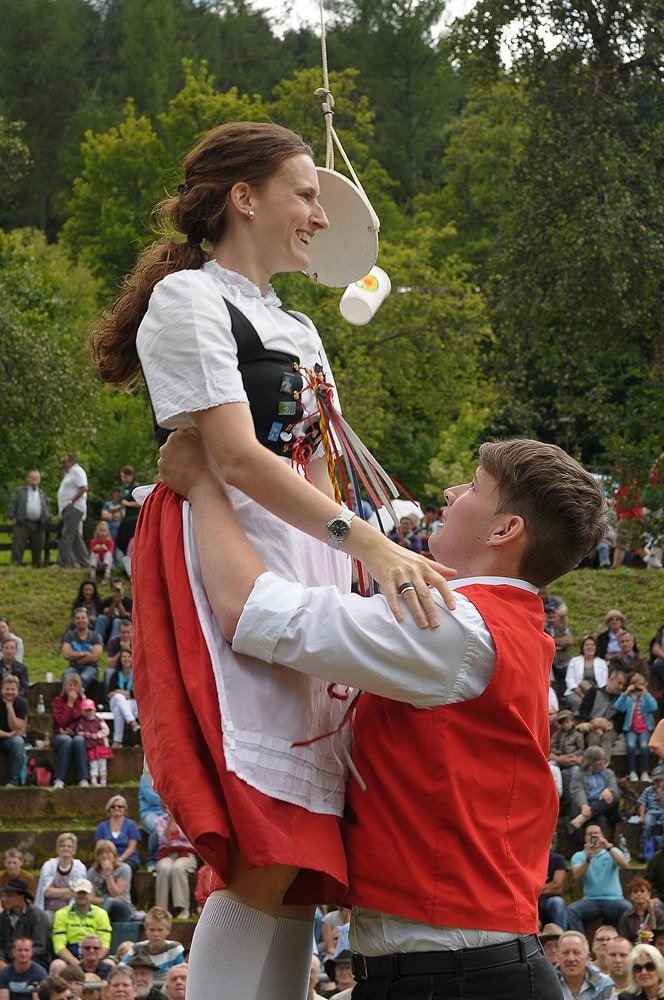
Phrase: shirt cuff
pixel 270 606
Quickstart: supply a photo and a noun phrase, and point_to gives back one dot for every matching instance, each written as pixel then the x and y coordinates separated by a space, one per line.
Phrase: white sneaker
pixel 645 776
pixel 84 783
pixel 633 776
pixel 58 783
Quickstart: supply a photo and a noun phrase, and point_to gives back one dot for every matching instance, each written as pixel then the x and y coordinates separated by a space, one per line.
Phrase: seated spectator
pixel 145 971
pixel 21 918
pixel 102 550
pixel 6 634
pixel 651 808
pixel 175 986
pixel 339 970
pixel 88 598
pixel 639 922
pixel 551 904
pixel 332 921
pixel 121 831
pixel 557 602
pixel 657 655
pixel 406 534
pixel 629 659
pixel 599 702
pixel 119 642
pixel 13 722
pixel 617 953
pixel 14 861
pixel 583 672
pixel 593 792
pixel 638 706
pixel 549 937
pixel 67 712
pixel 597 869
pixel 58 875
pixel 93 986
pixel 599 945
pixel 12 665
pixel 81 648
pixel 563 638
pixel 176 861
pixel 111 883
pixel 91 961
pixel 122 984
pixel 566 742
pixel 578 977
pixel 116 609
pixel 122 699
pixel 607 641
pixel 72 923
pixel 164 952
pixel 74 976
pixel 645 968
pixel 150 808
pixel 112 512
pixel 21 977
pixel 95 733
pixel 54 988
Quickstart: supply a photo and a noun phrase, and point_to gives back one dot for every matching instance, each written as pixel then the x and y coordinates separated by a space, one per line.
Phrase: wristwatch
pixel 338 529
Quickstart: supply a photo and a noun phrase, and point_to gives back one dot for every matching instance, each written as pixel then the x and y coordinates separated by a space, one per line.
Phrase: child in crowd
pixel 14 861
pixel 638 706
pixel 95 732
pixel 163 952
pixel 102 548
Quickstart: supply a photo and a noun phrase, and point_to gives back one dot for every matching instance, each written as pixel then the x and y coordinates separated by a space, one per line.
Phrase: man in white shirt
pixel 29 512
pixel 427 911
pixel 72 507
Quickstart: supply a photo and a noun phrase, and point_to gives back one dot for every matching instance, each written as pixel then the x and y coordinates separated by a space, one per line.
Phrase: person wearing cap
pixel 21 973
pixel 198 316
pixel 338 968
pixel 566 742
pixel 73 922
pixel 617 953
pixel 447 856
pixel 549 936
pixel 579 979
pixel 607 641
pixel 145 971
pixel 20 918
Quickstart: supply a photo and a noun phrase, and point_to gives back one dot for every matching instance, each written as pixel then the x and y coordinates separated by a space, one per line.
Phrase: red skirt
pixel 181 728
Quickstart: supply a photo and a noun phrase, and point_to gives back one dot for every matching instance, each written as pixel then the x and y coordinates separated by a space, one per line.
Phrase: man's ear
pixel 508 528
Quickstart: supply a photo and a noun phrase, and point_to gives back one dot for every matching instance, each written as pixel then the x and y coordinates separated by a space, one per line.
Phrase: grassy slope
pixel 37 605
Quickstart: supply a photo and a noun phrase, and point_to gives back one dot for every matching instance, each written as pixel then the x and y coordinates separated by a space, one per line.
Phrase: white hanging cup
pixel 360 302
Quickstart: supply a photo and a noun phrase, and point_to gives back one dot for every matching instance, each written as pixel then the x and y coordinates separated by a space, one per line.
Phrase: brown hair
pixel 105 845
pixel 638 882
pixel 237 151
pixel 562 506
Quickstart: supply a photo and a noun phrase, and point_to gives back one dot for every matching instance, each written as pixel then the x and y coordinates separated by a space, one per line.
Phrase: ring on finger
pixel 405 587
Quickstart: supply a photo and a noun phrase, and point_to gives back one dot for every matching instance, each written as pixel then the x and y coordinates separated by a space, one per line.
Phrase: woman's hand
pixel 184 461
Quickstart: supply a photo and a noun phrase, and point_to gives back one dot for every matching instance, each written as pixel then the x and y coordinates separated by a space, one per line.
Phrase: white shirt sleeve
pixel 356 641
pixel 187 351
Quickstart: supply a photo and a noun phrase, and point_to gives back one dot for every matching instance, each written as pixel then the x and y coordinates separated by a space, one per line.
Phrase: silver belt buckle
pixel 358 964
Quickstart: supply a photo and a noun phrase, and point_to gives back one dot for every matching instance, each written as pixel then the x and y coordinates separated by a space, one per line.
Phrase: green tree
pixel 14 159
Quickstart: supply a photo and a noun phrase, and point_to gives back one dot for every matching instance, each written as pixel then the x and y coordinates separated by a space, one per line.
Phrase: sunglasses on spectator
pixel 646 967
pixel 91 947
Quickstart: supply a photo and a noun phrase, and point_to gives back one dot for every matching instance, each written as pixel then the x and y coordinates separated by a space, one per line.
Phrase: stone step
pixel 51 807
pixel 126 765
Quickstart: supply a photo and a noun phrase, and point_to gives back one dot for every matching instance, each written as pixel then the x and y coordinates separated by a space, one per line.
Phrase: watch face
pixel 338 528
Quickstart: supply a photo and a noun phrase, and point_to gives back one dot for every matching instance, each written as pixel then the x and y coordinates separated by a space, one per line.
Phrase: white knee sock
pixel 288 963
pixel 228 951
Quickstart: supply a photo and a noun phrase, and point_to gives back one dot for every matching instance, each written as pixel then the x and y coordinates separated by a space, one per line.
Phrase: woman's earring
pixel 251 215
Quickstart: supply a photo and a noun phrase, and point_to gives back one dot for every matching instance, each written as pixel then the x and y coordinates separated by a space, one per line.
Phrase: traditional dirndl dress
pixel 219 730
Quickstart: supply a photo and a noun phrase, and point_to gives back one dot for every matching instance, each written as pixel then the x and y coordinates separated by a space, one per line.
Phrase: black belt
pixel 462 960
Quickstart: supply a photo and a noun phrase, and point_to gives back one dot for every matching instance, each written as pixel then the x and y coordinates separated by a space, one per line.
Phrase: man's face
pixel 626 643
pixel 33 478
pixel 156 935
pixel 121 988
pixel 13 865
pixel 23 952
pixel 617 953
pixel 591 836
pixel 601 941
pixel 118 588
pixel 81 620
pixel 125 632
pixel 550 949
pixel 144 975
pixel 91 952
pixel 615 683
pixel 572 957
pixel 466 523
pixel 9 650
pixel 82 900
pixel 176 983
pixel 14 901
pixel 552 617
pixel 9 691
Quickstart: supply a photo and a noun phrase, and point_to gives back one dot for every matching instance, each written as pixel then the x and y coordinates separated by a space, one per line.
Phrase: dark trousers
pixel 533 979
pixel 32 533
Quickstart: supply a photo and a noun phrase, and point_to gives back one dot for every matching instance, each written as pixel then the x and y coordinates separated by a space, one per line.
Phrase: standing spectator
pixel 30 515
pixel 14 861
pixel 116 609
pixel 551 905
pixel 121 831
pixel 596 868
pixel 175 986
pixel 72 923
pixel 82 647
pixel 6 634
pixel 578 978
pixel 617 954
pixel 102 548
pixel 21 976
pixel 20 918
pixel 72 507
pixel 130 506
pixel 563 638
pixel 607 641
pixel 13 719
pixel 150 808
pixel 638 706
pixel 122 699
pixel 176 861
pixel 67 712
pixel 112 512
pixel 583 672
pixel 12 665
pixel 593 791
pixel 58 875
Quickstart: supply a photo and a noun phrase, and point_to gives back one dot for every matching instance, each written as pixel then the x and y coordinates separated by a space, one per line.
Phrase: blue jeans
pixel 585 910
pixel 63 747
pixel 14 747
pixel 149 824
pixel 88 675
pixel 632 740
pixel 118 911
pixel 553 910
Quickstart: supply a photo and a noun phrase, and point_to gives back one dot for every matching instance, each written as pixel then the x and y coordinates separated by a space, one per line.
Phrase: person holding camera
pixel 639 707
pixel 597 868
pixel 116 609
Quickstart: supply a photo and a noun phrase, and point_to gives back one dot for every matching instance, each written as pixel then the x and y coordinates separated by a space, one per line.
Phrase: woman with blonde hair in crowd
pixel 645 968
pixel 58 874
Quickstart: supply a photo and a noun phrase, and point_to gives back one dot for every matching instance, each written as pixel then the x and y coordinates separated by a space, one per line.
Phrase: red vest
pixel 456 823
